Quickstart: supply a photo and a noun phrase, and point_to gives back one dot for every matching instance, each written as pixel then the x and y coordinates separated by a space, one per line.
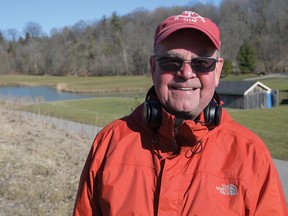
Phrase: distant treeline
pixel 121 45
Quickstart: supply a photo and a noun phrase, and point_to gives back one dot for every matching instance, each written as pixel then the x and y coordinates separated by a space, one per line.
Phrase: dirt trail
pixel 40 166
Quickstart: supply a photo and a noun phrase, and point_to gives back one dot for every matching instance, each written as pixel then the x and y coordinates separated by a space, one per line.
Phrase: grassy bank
pixel 95 111
pixel 270 124
pixel 82 84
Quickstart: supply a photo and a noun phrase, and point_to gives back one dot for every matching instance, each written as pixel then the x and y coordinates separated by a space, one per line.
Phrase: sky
pixel 49 14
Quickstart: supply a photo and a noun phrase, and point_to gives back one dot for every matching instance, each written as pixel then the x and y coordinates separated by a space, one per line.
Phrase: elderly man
pixel 180 153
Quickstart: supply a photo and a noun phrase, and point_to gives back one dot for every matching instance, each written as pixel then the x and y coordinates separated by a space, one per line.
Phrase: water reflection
pixel 43 93
pixel 47 94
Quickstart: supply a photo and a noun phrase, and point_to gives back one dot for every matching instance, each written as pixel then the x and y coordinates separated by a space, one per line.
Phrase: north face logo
pixel 228 190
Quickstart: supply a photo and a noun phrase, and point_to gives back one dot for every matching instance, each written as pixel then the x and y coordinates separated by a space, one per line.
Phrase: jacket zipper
pixel 158 188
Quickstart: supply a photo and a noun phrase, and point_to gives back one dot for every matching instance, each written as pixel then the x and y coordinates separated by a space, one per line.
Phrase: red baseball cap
pixel 188 19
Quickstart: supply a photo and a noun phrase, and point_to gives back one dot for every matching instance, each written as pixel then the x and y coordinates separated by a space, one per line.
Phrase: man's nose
pixel 186 72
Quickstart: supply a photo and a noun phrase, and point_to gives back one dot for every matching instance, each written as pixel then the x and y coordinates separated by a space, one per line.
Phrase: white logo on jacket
pixel 228 190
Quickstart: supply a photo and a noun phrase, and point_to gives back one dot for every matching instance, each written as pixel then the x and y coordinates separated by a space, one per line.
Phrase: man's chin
pixel 183 115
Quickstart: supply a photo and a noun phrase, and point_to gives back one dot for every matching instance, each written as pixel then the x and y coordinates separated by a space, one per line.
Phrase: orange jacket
pixel 223 171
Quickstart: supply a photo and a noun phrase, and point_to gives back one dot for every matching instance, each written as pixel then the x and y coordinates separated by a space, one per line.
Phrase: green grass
pixel 270 124
pixel 97 111
pixel 239 77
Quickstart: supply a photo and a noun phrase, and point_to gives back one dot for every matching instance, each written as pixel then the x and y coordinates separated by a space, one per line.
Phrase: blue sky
pixel 15 14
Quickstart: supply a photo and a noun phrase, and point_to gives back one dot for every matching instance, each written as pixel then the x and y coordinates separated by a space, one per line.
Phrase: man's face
pixel 185 92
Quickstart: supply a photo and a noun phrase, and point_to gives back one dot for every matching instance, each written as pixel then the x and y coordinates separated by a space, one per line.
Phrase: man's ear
pixel 152 66
pixel 218 70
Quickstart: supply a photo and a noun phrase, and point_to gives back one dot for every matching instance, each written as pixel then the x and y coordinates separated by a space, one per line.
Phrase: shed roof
pixel 239 87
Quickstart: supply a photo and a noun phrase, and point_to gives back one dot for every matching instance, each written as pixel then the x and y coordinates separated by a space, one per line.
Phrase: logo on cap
pixel 188 19
pixel 190 16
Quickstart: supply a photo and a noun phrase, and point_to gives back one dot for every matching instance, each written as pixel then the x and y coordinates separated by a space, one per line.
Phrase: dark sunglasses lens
pixel 170 64
pixel 203 64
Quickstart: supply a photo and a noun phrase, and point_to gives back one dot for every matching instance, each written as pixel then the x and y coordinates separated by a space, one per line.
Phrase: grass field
pixel 95 111
pixel 270 124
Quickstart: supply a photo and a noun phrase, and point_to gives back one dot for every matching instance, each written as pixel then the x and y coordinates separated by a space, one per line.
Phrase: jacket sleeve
pixel 86 202
pixel 271 199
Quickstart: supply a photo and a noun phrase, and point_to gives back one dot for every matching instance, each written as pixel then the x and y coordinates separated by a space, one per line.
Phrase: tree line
pixel 253 34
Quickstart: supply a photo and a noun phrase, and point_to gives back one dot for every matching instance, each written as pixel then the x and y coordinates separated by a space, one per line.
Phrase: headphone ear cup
pixel 212 114
pixel 153 114
pixel 218 115
pixel 207 114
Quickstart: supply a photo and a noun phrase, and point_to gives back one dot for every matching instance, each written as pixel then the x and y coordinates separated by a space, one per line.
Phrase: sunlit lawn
pixel 97 111
pixel 270 124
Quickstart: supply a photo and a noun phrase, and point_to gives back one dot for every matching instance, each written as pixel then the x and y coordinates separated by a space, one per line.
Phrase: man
pixel 184 155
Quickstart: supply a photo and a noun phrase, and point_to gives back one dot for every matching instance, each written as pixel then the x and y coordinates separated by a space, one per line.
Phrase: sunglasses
pixel 198 65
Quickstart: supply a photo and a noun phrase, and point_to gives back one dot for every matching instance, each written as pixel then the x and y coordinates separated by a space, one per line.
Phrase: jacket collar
pixel 174 139
pixel 169 141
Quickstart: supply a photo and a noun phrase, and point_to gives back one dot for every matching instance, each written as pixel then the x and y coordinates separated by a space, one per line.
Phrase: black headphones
pixel 153 107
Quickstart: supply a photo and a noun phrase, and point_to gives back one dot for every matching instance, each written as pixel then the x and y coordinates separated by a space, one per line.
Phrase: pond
pixel 43 93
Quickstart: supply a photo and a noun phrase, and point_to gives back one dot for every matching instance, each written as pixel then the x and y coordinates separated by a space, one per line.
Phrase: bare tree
pixel 34 29
pixel 12 34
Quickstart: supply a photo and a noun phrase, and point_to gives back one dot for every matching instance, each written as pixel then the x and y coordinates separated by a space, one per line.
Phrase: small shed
pixel 245 94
